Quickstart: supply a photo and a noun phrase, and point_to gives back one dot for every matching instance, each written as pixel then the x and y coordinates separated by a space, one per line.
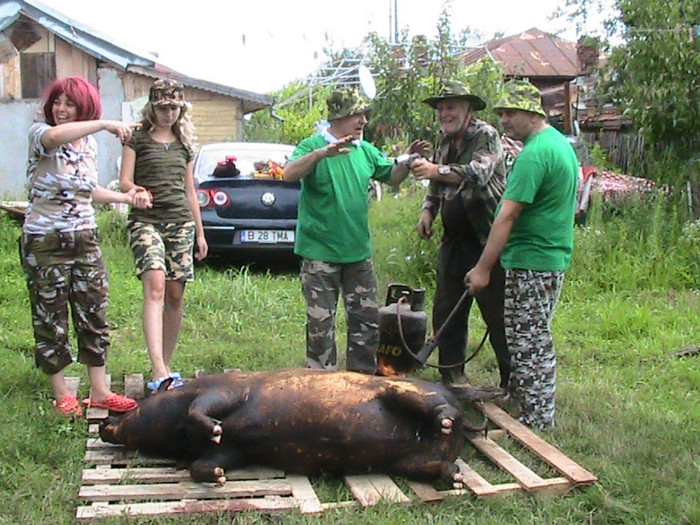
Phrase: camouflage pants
pixel 166 246
pixel 321 284
pixel 530 299
pixel 65 269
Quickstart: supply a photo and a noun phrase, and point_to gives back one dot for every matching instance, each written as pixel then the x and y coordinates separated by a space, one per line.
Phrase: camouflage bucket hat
pixel 165 92
pixel 345 101
pixel 454 89
pixel 520 94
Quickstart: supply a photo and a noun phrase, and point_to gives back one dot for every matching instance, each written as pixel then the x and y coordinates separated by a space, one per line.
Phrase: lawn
pixel 628 407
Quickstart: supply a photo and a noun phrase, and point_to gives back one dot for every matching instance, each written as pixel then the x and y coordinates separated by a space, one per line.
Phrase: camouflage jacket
pixel 480 163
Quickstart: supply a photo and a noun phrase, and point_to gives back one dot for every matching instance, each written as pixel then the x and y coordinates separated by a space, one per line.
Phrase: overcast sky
pixel 261 45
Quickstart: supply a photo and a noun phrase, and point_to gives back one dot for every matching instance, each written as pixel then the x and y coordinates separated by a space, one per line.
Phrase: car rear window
pixel 246 159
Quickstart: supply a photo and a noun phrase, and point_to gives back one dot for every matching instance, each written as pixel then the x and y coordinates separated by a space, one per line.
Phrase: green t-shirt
pixel 545 178
pixel 333 222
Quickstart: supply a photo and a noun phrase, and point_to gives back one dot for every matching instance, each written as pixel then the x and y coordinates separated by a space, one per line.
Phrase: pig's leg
pixel 210 408
pixel 425 466
pixel 429 405
pixel 213 465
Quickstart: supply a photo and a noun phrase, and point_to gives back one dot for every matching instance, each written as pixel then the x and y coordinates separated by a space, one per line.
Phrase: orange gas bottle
pixel 402 328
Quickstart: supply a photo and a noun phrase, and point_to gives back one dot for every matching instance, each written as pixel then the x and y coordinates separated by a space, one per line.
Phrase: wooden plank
pixel 267 504
pixel 168 474
pixel 370 489
pixel 427 493
pixel 186 490
pixel 73 384
pixel 98 444
pixel 101 476
pixel 497 434
pixel 554 487
pixel 388 489
pixel 133 386
pixel 305 495
pixel 548 453
pixel 502 489
pixel 121 456
pixel 363 490
pixel 92 413
pixel 500 457
pixel 473 481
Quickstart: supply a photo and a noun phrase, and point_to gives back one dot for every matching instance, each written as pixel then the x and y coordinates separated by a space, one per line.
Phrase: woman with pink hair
pixel 61 257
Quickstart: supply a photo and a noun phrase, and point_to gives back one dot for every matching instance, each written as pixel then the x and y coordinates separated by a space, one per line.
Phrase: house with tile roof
pixel 549 62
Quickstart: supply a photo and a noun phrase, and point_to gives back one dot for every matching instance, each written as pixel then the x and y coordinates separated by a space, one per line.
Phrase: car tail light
pixel 212 198
pixel 203 198
pixel 220 198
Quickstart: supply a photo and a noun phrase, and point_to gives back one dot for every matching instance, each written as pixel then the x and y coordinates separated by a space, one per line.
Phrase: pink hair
pixel 79 91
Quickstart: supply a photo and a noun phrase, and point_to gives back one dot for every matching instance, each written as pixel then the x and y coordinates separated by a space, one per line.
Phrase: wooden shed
pixel 39 44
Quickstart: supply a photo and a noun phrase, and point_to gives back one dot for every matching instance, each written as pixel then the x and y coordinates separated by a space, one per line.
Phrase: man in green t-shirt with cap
pixel 335 167
pixel 533 236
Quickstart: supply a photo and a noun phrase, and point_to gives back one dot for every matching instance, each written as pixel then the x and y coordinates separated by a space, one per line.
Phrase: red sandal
pixel 68 406
pixel 113 402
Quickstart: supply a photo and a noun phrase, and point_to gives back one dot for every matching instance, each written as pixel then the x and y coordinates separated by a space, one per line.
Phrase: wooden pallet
pixel 117 482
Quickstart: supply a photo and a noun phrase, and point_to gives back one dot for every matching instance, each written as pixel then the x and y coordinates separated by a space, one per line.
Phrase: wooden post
pixel 568 125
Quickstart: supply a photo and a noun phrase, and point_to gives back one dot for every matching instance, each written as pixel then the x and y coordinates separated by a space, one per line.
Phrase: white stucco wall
pixel 108 146
pixel 16 117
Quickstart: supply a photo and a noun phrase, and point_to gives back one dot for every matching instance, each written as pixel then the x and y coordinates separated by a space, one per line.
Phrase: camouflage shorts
pixel 530 299
pixel 65 269
pixel 321 285
pixel 167 247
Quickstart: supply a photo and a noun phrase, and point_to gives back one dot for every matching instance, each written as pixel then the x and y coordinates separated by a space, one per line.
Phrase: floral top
pixel 61 182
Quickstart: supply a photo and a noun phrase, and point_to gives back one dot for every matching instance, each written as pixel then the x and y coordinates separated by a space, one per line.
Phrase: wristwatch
pixel 443 170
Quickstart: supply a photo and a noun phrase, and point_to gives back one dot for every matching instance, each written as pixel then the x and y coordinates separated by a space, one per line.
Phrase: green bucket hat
pixel 343 102
pixel 520 94
pixel 454 89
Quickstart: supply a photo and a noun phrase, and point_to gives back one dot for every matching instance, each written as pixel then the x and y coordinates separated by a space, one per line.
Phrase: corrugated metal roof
pixel 532 53
pixel 251 101
pixel 107 49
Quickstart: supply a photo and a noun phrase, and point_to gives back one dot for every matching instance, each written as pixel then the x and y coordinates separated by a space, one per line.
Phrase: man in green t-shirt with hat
pixel 533 236
pixel 335 167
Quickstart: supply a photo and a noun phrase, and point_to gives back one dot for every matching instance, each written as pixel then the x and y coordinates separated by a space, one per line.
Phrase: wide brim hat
pixel 167 92
pixel 344 102
pixel 454 89
pixel 521 95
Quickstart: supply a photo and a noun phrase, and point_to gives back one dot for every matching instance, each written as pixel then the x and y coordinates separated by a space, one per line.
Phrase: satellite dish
pixel 367 85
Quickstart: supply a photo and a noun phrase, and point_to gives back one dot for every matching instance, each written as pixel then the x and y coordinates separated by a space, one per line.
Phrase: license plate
pixel 267 236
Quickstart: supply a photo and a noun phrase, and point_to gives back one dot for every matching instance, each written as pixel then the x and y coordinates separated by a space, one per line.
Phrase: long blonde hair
pixel 183 127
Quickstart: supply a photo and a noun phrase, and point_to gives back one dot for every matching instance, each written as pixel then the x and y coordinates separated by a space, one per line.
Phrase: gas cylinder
pixel 402 315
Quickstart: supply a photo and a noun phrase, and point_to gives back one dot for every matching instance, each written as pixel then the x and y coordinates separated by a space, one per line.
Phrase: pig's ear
pixel 165 384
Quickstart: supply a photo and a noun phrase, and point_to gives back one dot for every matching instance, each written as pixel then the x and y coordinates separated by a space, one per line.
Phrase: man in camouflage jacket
pixel 467 179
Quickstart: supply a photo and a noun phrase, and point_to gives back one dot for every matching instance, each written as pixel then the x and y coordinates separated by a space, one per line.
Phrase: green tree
pixel 406 73
pixel 653 74
pixel 656 71
pixel 297 108
pixel 412 70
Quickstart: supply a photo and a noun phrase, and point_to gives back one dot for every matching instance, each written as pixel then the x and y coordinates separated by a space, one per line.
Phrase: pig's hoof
pixel 216 434
pixel 446 426
pixel 457 480
pixel 219 474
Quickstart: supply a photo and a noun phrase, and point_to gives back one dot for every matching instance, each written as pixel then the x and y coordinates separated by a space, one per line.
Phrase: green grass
pixel 628 409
